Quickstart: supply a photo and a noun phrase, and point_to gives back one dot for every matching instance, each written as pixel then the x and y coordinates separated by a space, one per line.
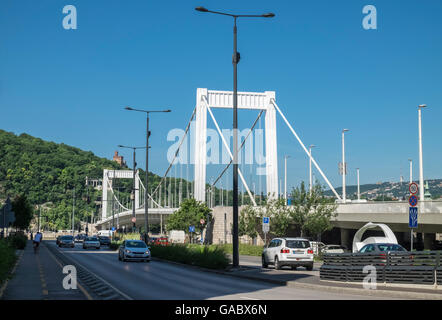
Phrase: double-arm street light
pixel 235 60
pixel 133 184
pixel 146 207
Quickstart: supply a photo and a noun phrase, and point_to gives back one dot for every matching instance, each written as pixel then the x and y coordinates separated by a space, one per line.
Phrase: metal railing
pixel 423 267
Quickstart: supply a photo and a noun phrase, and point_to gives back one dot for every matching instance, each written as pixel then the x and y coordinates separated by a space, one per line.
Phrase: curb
pixel 5 285
pixel 322 287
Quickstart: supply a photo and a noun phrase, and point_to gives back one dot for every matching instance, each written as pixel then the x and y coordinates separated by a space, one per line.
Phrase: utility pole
pixel 411 170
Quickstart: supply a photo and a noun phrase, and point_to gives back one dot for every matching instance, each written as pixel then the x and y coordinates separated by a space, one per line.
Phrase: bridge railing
pixel 423 267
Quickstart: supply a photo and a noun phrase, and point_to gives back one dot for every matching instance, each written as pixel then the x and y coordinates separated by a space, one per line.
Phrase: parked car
pixel 134 250
pixel 381 248
pixel 57 240
pixel 317 247
pixel 66 241
pixel 104 241
pixel 333 248
pixel 294 252
pixel 91 242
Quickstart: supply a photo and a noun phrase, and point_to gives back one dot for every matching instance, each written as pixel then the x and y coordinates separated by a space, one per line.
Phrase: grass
pixel 7 259
pixel 211 257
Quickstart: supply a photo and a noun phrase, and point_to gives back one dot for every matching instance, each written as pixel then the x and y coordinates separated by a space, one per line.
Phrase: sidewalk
pixel 39 277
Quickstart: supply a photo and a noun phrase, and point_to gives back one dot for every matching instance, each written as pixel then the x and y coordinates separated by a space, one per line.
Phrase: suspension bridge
pixel 166 197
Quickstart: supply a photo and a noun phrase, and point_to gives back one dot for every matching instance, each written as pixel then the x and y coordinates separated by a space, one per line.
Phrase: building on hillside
pixel 119 159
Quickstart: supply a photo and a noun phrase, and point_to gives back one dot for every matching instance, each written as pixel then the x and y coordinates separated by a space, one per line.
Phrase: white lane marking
pixel 100 278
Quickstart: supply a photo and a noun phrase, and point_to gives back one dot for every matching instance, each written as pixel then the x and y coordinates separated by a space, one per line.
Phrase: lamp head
pixel 345 130
pixel 422 106
pixel 201 9
pixel 268 15
pixel 128 108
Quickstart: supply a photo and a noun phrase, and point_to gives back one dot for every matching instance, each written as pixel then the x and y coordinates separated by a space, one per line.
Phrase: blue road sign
pixel 289 202
pixel 412 200
pixel 265 220
pixel 412 222
pixel 113 229
pixel 191 228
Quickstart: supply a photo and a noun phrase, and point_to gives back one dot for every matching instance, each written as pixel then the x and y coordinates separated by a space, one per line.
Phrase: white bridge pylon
pixel 207 99
pixel 108 175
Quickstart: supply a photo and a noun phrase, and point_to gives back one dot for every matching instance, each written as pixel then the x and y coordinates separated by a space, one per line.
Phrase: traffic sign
pixel 202 221
pixel 412 200
pixel 265 220
pixel 113 229
pixel 412 221
pixel 413 188
pixel 191 228
pixel 134 219
pixel 265 227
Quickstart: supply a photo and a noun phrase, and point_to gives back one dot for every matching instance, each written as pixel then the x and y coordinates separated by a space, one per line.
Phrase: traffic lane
pixel 161 280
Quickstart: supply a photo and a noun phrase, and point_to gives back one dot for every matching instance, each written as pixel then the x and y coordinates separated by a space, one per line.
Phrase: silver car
pixel 66 241
pixel 91 242
pixel 134 250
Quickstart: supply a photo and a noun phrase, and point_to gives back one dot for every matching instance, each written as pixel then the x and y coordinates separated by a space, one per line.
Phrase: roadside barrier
pixel 423 267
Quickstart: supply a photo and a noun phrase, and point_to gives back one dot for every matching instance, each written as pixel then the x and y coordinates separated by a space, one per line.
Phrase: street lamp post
pixel 421 164
pixel 132 195
pixel 359 190
pixel 146 181
pixel 344 167
pixel 310 167
pixel 285 178
pixel 235 60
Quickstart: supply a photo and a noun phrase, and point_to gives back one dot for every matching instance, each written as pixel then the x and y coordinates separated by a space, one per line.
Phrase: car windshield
pixel 135 244
pixel 390 247
pixel 66 238
pixel 91 239
pixel 297 244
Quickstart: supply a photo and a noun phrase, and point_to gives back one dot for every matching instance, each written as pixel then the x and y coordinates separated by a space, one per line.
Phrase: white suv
pixel 294 252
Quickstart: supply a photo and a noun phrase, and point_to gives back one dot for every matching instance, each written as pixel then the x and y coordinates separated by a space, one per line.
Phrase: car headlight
pixel 147 252
pixel 127 251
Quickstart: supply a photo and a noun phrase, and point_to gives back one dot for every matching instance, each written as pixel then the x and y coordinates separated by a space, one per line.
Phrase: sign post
pixel 413 210
pixel 265 227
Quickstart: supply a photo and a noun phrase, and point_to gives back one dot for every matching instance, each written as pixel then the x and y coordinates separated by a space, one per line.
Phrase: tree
pixel 311 211
pixel 189 214
pixel 250 222
pixel 23 212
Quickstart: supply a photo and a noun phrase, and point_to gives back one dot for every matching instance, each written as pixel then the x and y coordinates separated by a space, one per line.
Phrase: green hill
pixel 47 173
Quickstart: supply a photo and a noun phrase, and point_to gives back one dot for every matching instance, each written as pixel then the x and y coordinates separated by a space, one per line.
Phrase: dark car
pixel 104 241
pixel 66 241
pixel 381 248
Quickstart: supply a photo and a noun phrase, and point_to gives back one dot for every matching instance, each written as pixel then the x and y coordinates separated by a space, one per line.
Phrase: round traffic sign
pixel 412 200
pixel 134 219
pixel 413 188
pixel 202 221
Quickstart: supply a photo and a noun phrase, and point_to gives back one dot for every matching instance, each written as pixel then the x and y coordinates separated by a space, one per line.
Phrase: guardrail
pixel 423 267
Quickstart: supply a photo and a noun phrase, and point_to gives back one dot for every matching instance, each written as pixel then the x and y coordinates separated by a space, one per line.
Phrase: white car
pixel 294 252
pixel 333 248
pixel 91 242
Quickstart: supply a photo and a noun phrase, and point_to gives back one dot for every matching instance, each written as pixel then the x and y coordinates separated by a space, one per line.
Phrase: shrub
pixel 7 260
pixel 18 241
pixel 210 257
pixel 244 249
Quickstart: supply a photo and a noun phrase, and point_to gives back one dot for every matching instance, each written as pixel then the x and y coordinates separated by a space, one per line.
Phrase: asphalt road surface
pixel 162 280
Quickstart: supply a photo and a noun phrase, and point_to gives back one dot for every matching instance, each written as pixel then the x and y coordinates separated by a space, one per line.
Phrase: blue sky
pixel 328 72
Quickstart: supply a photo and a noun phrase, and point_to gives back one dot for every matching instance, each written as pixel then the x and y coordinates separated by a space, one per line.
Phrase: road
pixel 162 280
